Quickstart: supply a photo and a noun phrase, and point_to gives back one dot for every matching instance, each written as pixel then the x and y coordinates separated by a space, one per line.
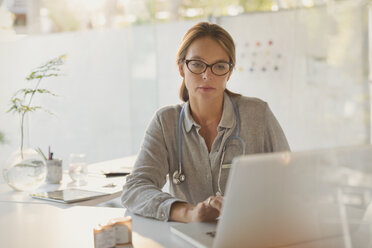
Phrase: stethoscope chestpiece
pixel 178 177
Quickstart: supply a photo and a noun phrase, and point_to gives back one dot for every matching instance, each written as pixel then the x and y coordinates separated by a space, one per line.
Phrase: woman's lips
pixel 206 88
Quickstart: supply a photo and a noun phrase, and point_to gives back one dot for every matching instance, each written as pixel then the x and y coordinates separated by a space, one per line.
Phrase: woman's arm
pixel 142 192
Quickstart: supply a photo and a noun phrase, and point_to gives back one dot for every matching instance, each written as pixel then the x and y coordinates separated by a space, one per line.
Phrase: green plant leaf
pixel 22 99
pixel 13 109
pixel 45 91
pixel 33 91
pixel 33 108
pixel 16 103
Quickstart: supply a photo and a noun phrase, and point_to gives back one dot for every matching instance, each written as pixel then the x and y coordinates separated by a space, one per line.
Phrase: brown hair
pixel 205 29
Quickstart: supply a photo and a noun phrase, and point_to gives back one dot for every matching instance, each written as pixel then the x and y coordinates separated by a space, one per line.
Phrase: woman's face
pixel 205 86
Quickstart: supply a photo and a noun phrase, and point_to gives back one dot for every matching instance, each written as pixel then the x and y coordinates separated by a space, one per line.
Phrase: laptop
pixel 309 199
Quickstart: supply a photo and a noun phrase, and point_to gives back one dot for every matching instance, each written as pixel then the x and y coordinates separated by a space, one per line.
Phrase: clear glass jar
pixel 78 169
pixel 25 173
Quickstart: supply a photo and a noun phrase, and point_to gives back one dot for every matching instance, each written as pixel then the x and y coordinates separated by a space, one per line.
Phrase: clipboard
pixel 68 195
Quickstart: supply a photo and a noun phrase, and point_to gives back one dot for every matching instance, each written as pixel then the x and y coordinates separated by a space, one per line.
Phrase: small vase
pixel 27 172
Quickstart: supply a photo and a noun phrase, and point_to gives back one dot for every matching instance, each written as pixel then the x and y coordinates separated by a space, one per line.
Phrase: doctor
pixel 194 142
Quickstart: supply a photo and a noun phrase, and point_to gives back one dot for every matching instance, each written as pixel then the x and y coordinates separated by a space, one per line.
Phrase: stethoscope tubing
pixel 180 120
pixel 178 176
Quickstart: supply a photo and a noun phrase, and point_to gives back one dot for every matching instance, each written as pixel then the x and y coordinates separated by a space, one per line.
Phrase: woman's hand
pixel 207 210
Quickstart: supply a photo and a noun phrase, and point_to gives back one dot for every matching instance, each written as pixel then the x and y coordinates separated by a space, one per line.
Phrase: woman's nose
pixel 208 74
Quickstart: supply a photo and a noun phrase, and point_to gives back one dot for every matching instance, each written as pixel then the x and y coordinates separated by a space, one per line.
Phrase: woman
pixel 211 117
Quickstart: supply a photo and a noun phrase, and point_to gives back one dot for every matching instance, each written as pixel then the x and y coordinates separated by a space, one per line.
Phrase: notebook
pixel 310 199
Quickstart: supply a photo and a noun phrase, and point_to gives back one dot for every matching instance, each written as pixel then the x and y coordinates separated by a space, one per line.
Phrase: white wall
pixel 93 108
pixel 320 92
pixel 107 96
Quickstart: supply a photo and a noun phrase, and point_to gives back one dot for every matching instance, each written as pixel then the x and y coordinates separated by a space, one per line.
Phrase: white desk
pixel 122 164
pixel 44 226
pixel 29 222
pixel 7 194
pixel 95 182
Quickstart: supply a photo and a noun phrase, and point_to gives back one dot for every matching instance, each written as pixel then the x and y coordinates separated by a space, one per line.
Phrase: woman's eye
pixel 197 64
pixel 221 66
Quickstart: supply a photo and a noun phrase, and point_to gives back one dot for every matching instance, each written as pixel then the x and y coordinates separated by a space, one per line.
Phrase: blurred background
pixel 307 58
pixel 47 16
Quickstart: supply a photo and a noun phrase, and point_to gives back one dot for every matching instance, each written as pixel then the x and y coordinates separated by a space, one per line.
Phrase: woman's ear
pixel 180 69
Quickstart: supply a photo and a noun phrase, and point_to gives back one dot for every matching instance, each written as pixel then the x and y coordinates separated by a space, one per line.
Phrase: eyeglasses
pixel 199 67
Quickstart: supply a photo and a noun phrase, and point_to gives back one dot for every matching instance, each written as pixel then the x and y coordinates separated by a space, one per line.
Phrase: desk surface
pixel 7 194
pixel 28 222
pixel 44 226
pixel 95 182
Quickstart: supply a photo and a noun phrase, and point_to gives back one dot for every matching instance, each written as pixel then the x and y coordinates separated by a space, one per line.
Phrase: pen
pixel 116 174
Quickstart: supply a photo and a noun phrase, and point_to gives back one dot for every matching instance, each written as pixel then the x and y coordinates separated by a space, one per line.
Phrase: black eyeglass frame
pixel 187 61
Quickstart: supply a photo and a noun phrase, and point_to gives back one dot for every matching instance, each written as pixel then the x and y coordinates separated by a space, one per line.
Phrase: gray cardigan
pixel 158 155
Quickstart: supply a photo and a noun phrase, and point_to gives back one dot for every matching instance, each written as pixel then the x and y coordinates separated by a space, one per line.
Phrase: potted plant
pixel 26 169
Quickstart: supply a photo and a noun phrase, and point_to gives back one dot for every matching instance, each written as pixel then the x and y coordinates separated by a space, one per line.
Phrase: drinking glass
pixel 77 169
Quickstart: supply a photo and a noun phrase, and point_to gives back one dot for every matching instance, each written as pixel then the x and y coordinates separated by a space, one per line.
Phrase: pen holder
pixel 54 171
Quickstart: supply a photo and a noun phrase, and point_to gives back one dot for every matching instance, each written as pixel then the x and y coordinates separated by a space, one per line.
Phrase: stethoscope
pixel 178 176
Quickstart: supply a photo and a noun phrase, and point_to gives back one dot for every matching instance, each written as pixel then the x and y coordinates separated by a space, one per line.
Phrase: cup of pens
pixel 54 169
